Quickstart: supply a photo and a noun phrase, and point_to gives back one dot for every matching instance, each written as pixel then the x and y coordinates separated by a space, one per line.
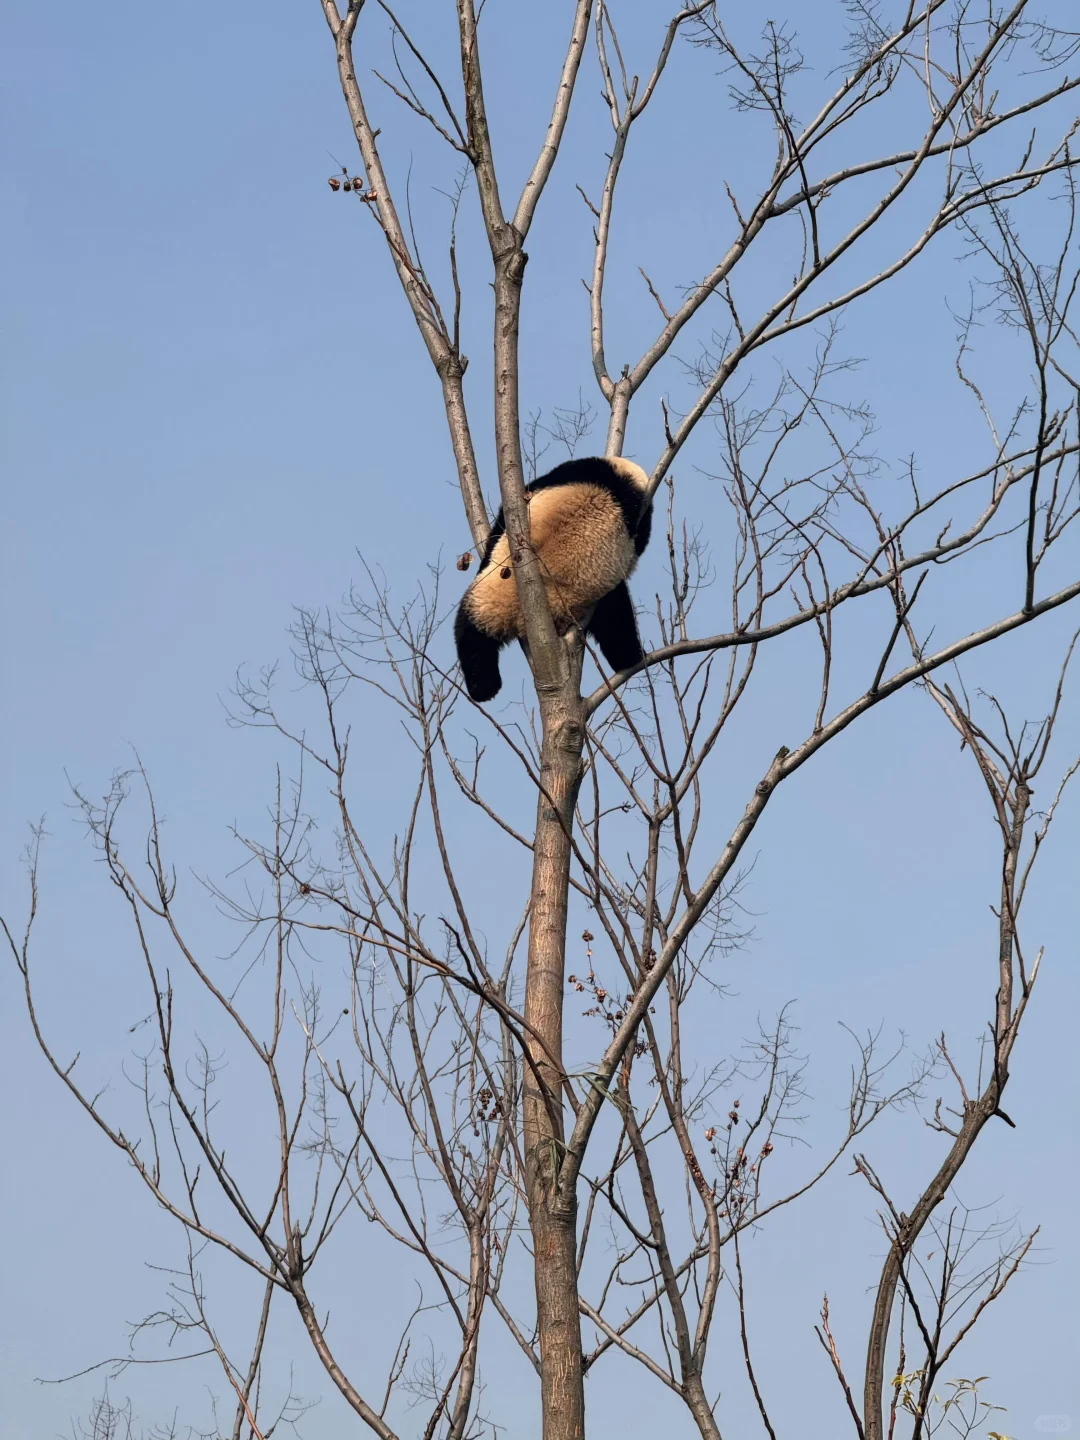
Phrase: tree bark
pixel 556 668
pixel 552 1213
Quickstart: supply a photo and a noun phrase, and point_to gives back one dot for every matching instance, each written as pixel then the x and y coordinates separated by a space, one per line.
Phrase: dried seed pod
pixel 464 561
pixel 334 183
pixel 347 185
pixel 506 572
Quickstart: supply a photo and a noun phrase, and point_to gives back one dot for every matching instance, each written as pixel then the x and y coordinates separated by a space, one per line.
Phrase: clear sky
pixel 213 399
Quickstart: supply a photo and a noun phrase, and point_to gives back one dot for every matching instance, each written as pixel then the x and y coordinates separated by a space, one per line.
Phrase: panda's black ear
pixel 614 627
pixel 479 657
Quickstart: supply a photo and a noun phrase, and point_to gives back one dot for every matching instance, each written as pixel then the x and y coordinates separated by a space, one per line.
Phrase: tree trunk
pixel 553 1220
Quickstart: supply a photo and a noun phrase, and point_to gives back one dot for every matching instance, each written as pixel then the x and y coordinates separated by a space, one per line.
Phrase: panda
pixel 588 525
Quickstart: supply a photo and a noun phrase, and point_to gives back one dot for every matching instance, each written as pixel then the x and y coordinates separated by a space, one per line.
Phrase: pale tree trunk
pixel 553 1214
pixel 556 667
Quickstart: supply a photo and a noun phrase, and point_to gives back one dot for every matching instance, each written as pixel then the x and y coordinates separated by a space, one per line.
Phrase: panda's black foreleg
pixel 479 657
pixel 614 628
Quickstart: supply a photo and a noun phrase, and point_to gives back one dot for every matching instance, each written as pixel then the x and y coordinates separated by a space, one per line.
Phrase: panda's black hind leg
pixel 479 657
pixel 614 628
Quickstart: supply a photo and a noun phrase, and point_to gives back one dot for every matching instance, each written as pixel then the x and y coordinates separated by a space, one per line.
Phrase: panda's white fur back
pixel 581 541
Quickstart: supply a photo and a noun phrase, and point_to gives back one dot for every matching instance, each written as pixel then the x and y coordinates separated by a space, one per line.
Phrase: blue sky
pixel 214 397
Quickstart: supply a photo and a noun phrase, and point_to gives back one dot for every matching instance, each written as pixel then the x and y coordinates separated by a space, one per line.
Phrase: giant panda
pixel 587 525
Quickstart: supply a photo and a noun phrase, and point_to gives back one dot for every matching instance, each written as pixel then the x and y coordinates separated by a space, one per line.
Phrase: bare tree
pixel 438 1100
